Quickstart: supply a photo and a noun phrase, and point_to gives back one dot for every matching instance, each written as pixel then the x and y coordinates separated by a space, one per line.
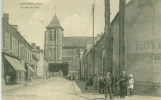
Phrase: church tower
pixel 53 41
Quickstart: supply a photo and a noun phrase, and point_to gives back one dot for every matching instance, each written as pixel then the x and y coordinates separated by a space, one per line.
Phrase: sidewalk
pixel 94 95
pixel 6 88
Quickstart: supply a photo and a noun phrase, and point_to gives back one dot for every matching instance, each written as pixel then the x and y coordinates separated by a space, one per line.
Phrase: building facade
pixel 60 49
pixel 53 41
pixel 142 20
pixel 74 68
pixel 16 53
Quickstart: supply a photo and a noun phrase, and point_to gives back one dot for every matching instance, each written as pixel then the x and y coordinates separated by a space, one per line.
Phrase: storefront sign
pixel 148 44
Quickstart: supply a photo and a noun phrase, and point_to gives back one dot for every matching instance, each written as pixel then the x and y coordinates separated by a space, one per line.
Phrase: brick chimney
pixel 33 45
pixel 38 48
pixel 15 27
pixel 6 17
pixel 41 51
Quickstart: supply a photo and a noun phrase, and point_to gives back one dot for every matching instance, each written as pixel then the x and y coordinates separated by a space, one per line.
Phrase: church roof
pixel 77 41
pixel 54 23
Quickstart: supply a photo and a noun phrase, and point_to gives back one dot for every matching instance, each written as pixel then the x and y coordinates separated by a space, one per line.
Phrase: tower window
pixel 54 34
pixel 50 35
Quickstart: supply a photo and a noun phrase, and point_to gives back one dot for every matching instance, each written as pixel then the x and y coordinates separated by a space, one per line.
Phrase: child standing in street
pixel 131 84
pixel 87 84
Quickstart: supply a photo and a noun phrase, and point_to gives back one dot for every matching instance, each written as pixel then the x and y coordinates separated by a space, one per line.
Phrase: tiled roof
pixel 77 41
pixel 54 23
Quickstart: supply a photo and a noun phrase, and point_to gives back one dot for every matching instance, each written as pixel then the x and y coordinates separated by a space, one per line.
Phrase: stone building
pixel 16 53
pixel 74 68
pixel 60 49
pixel 143 39
pixel 53 41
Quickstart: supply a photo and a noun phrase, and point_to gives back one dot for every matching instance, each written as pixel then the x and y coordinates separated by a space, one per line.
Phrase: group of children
pixel 98 82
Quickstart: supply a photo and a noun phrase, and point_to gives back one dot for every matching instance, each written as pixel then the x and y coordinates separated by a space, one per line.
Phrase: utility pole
pixel 122 36
pixel 55 44
pixel 108 47
pixel 79 59
pixel 93 40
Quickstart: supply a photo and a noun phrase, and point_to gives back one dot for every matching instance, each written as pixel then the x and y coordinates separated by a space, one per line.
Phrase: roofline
pixel 55 27
pixel 118 12
pixel 16 31
pixel 79 37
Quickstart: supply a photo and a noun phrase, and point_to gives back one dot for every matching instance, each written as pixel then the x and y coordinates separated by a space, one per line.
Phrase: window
pixel 54 34
pixel 10 42
pixel 75 68
pixel 157 67
pixel 54 53
pixel 49 53
pixel 50 35
pixel 16 47
pixel 13 43
pixel 4 39
pixel 7 41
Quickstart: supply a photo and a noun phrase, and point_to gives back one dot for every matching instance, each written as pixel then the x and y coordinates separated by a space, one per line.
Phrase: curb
pixel 26 86
pixel 78 91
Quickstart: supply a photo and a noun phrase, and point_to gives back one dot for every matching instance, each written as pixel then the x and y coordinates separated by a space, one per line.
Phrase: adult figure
pixel 108 81
pixel 73 77
pixel 12 78
pixel 87 84
pixel 26 81
pixel 123 83
pixel 90 82
pixel 95 82
pixel 101 84
pixel 8 79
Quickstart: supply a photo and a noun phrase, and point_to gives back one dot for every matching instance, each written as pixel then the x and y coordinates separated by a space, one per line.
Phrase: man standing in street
pixel 101 84
pixel 123 83
pixel 108 85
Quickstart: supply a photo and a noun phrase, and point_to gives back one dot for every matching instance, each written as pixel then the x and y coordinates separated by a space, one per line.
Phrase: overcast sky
pixel 74 15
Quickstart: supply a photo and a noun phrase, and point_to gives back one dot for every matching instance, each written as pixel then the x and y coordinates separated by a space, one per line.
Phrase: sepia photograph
pixel 81 50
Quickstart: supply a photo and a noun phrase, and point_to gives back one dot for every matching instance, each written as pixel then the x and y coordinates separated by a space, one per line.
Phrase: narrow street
pixel 57 89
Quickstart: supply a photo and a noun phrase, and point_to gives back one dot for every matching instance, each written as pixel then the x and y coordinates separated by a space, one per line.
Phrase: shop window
pixel 157 67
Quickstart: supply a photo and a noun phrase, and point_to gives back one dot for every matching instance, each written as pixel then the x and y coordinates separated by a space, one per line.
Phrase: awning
pixel 30 67
pixel 15 63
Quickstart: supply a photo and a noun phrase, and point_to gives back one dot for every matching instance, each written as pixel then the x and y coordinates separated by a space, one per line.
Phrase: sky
pixel 75 16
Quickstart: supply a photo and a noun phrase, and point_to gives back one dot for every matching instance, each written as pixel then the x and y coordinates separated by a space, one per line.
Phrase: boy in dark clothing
pixel 123 83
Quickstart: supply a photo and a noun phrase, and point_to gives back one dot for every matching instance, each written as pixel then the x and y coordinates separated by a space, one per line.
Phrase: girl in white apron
pixel 131 84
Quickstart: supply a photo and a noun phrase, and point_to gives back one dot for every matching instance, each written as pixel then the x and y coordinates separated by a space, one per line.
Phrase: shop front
pixel 13 70
pixel 30 72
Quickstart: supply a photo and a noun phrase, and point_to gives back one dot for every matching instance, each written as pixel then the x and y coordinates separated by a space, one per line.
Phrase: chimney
pixel 41 51
pixel 15 27
pixel 38 48
pixel 33 45
pixel 6 17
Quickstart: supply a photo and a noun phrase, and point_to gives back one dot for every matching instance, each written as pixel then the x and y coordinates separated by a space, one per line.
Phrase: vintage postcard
pixel 81 49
